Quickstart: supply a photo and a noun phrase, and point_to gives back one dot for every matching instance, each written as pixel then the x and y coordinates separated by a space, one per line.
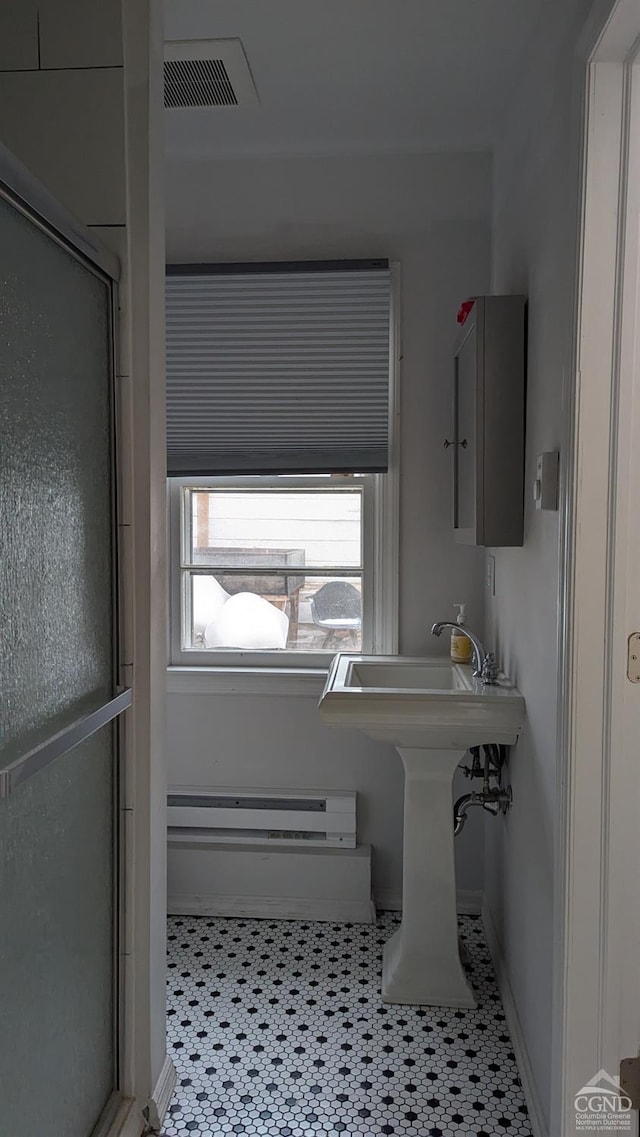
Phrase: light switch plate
pixel 545 487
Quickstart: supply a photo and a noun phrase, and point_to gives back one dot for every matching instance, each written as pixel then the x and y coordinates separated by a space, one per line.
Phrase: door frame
pixel 597 903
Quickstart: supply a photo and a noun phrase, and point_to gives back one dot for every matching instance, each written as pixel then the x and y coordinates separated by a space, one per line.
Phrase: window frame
pixel 374 632
pixel 380 524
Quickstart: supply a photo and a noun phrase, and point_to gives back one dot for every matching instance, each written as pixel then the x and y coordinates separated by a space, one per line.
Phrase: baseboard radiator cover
pixel 287 818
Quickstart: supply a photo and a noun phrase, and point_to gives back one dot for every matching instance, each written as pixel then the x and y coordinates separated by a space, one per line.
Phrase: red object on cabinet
pixel 464 309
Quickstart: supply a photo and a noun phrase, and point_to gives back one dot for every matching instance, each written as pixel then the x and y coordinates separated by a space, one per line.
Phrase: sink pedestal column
pixel 422 959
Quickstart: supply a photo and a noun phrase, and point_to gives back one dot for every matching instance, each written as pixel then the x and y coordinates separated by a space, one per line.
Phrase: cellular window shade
pixel 277 370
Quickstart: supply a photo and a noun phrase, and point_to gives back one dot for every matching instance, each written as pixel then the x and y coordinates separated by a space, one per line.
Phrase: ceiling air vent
pixel 197 83
pixel 207 73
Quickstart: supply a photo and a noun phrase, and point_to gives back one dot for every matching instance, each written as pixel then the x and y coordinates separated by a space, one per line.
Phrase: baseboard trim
pixel 127 1121
pixel 133 1123
pixel 163 1092
pixel 333 911
pixel 536 1115
pixel 468 901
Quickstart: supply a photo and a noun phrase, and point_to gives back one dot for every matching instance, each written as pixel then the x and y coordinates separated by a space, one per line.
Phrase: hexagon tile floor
pixel 278 1030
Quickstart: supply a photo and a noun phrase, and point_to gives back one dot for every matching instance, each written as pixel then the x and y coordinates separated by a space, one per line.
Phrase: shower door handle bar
pixel 61 743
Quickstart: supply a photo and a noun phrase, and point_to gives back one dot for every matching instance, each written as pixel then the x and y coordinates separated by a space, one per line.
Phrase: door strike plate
pixel 633 657
pixel 630 1080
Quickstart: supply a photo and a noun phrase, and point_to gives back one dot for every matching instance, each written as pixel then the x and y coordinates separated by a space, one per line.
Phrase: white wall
pixel 534 231
pixel 431 213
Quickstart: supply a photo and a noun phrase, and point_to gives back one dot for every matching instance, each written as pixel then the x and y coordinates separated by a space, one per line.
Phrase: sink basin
pixel 432 711
pixel 408 675
pixel 420 702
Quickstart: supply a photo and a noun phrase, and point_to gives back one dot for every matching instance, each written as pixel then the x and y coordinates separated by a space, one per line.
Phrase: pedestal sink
pixel 432 711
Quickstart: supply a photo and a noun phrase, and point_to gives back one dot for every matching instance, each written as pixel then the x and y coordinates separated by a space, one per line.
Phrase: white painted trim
pixel 274 908
pixel 566 555
pixel 122 1117
pixel 246 681
pixel 576 1053
pixel 128 1121
pixel 143 507
pixel 621 883
pixel 388 901
pixel 613 27
pixel 525 1069
pixel 588 1011
pixel 386 555
pixel 163 1090
pixel 265 880
pixel 468 901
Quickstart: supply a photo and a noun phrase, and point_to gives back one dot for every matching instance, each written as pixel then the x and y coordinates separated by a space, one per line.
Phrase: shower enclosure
pixel 59 697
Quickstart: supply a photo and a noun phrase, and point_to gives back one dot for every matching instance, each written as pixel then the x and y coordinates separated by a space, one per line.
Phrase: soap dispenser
pixel 461 646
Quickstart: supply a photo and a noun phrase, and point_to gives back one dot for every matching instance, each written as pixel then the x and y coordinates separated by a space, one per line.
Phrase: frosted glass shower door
pixel 58 700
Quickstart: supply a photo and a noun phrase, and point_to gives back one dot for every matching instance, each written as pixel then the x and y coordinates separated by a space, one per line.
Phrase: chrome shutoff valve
pixel 489 672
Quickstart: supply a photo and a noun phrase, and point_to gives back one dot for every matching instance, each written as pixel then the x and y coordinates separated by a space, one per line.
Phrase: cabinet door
pixel 488 428
pixel 465 439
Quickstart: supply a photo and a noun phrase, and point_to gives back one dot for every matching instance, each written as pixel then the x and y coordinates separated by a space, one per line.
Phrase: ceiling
pixel 357 76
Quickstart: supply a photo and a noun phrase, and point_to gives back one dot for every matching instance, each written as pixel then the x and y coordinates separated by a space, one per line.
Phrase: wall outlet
pixel 491 575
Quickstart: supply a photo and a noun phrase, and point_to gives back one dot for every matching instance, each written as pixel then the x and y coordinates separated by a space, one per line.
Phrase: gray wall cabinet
pixel 488 424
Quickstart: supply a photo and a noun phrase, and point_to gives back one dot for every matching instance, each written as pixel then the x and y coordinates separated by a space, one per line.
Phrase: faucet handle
pixel 489 673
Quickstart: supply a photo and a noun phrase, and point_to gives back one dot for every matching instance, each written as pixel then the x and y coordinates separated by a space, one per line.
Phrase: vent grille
pixel 223 801
pixel 197 83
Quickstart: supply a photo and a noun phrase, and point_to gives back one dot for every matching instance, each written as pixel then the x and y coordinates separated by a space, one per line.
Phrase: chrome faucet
pixel 484 662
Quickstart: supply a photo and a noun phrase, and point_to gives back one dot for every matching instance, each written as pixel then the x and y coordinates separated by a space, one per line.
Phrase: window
pixel 279 376
pixel 290 565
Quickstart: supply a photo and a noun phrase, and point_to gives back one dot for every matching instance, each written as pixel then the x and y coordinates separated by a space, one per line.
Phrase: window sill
pixel 268 681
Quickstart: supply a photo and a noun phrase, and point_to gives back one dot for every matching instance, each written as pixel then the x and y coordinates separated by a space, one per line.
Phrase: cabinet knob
pixel 463 444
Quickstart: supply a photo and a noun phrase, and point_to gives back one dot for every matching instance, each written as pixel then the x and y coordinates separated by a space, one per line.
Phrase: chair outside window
pixel 337 608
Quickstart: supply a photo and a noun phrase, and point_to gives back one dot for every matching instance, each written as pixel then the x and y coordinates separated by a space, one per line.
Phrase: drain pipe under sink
pixel 495 799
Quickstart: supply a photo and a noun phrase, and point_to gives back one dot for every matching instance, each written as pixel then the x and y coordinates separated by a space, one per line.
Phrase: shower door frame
pixel 24 193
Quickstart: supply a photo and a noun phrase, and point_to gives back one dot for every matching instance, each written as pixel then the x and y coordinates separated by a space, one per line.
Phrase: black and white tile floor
pixel 278 1030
